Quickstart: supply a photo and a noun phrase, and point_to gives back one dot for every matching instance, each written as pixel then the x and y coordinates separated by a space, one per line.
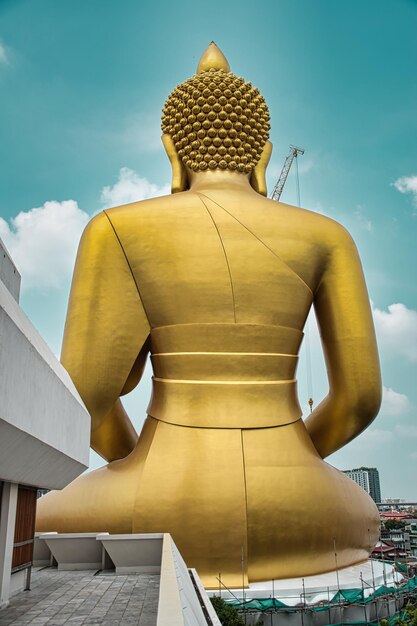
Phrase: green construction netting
pixel 401 567
pixel 345 596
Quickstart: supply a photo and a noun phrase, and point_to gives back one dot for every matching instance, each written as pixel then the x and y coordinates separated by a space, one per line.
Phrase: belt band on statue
pixel 224 366
pixel 219 337
pixel 225 404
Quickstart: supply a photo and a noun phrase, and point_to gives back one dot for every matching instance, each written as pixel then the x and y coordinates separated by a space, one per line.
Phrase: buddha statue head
pixel 216 121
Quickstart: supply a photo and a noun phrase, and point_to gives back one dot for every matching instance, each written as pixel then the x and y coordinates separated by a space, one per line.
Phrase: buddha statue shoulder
pixel 214 283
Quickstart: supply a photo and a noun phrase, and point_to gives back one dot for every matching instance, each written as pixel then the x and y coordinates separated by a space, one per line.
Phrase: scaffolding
pixel 372 606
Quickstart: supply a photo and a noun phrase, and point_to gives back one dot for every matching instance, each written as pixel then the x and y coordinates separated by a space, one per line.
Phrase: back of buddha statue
pixel 216 282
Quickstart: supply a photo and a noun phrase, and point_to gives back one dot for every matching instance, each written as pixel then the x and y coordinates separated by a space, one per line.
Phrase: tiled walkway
pixel 81 598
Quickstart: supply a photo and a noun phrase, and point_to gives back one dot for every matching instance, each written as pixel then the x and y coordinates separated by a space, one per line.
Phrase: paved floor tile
pixel 90 598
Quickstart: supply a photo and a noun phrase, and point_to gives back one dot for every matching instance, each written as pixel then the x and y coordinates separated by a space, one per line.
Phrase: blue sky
pixel 82 85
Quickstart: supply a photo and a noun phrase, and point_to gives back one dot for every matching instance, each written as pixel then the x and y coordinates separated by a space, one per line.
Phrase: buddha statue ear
pixel 258 176
pixel 179 180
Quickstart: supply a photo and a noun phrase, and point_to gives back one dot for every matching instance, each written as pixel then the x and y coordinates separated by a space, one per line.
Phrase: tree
pixel 227 614
pixel 394 524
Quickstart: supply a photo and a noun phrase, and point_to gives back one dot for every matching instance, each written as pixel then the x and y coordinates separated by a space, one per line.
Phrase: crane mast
pixel 293 154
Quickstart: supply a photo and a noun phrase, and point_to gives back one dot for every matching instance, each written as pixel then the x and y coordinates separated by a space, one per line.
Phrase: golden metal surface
pixel 216 282
pixel 213 58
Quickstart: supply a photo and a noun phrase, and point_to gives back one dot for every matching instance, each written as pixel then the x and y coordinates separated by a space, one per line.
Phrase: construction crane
pixel 276 194
pixel 293 154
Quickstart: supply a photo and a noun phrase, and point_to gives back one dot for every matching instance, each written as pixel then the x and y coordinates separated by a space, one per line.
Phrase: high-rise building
pixel 368 479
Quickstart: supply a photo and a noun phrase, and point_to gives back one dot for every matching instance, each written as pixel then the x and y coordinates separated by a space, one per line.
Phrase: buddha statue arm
pixel 345 321
pixel 105 339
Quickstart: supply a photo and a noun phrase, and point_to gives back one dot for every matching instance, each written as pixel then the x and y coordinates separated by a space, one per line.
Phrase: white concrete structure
pixel 183 600
pixel 315 591
pixel 73 551
pixel 42 556
pixel 7 526
pixel 134 553
pixel 9 275
pixel 44 426
pixel 369 575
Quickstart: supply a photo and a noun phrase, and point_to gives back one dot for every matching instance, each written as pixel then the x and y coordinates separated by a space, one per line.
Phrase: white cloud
pixel 407 184
pixel 406 431
pixel 3 55
pixel 43 242
pixel 397 329
pixel 394 403
pixel 131 187
pixel 374 437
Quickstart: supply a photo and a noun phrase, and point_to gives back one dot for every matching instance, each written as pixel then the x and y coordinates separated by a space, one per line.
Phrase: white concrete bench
pixel 134 553
pixel 42 556
pixel 75 551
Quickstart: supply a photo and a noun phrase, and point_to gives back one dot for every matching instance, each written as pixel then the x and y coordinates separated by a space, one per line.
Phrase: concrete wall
pixel 7 523
pixel 44 426
pixel 180 603
pixel 9 274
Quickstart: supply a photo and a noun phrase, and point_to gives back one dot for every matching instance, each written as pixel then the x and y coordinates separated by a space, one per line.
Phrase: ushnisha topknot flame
pixel 217 121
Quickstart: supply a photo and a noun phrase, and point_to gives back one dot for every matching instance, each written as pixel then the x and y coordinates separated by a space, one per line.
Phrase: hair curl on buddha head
pixel 217 120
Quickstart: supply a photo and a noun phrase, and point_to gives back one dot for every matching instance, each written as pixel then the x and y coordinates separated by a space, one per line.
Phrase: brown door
pixel 24 528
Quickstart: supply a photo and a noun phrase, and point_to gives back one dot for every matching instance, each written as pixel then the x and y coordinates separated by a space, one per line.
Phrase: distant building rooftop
pixel 395 515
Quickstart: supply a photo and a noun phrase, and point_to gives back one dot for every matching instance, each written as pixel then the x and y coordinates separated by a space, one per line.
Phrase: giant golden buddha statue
pixel 215 282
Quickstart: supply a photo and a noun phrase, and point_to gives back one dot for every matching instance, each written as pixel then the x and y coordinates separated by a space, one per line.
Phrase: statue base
pixel 360 594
